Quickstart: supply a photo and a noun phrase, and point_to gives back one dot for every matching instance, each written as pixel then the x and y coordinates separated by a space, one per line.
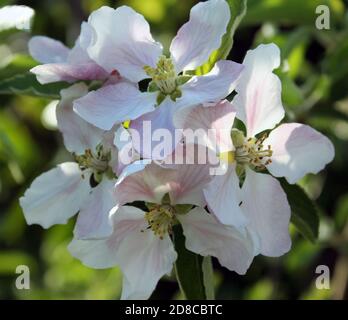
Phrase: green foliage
pixel 193 271
pixel 26 84
pixel 304 214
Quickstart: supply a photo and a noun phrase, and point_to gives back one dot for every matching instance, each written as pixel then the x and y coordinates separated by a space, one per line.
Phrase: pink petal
pixel 54 72
pixel 123 41
pixel 47 50
pixel 56 195
pixel 214 121
pixel 150 182
pixel 140 181
pixel 114 104
pixel 207 237
pixel 201 35
pixel 258 101
pixel 266 206
pixel 297 150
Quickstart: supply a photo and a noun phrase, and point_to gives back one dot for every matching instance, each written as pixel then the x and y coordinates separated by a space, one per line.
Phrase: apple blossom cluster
pixel 130 145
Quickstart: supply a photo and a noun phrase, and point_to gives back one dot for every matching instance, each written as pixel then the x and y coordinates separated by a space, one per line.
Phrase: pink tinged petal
pixel 266 206
pixel 258 101
pixel 123 41
pixel 54 72
pixel 223 197
pixel 102 253
pixel 114 104
pixel 201 35
pixel 212 87
pixel 154 133
pixel 208 237
pixel 47 50
pixel 186 183
pixel 297 150
pixel 93 221
pixel 55 196
pixel 215 121
pixel 140 181
pixel 78 134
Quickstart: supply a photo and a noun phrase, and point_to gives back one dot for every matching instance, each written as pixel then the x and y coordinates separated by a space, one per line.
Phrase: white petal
pixel 55 196
pixel 215 121
pixel 208 237
pixel 114 104
pixel 223 197
pixel 78 134
pixel 18 17
pixel 102 253
pixel 267 208
pixel 201 35
pixel 126 154
pixel 93 221
pixel 258 101
pixel 144 259
pixel 297 150
pixel 153 133
pixel 78 54
pixel 123 41
pixel 47 50
pixel 212 87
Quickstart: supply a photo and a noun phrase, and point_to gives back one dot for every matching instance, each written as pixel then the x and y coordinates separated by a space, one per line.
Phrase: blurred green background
pixel 315 91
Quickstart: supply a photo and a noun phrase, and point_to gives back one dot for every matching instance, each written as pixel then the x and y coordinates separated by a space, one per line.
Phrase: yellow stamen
pixel 227 157
pixel 160 219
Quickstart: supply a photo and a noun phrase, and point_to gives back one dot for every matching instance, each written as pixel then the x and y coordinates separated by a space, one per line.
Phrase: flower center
pixel 251 151
pixel 160 219
pixel 165 80
pixel 98 161
pixel 164 75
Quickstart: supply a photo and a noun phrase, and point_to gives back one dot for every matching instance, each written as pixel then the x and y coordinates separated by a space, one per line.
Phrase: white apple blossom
pixel 290 150
pixel 83 186
pixel 122 40
pixel 60 63
pixel 141 241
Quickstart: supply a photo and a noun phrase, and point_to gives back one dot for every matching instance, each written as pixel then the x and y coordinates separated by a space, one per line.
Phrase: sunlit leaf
pixel 27 84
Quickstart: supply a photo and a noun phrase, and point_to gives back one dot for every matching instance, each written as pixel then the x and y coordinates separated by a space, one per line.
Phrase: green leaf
pixel 238 10
pixel 304 213
pixel 293 12
pixel 27 84
pixel 194 272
